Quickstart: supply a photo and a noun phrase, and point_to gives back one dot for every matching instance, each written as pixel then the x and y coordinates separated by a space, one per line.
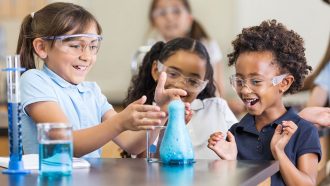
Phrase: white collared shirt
pixel 210 115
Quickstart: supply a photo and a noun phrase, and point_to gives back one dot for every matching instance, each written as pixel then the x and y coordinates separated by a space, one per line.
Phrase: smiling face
pixel 171 19
pixel 71 68
pixel 259 95
pixel 188 64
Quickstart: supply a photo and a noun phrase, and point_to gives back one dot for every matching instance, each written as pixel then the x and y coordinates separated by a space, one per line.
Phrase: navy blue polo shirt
pixel 254 145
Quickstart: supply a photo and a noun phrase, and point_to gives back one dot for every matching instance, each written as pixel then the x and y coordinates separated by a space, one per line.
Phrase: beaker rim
pixel 54 125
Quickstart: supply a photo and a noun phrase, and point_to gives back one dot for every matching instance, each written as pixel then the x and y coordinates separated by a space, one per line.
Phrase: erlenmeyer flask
pixel 176 147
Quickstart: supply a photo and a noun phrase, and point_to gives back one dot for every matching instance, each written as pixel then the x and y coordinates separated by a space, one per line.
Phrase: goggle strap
pixel 278 79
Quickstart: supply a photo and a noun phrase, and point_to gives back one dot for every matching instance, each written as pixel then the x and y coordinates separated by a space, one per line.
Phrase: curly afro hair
pixel 286 45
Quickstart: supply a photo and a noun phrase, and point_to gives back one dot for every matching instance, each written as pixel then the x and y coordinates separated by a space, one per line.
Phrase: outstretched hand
pixel 281 137
pixel 226 150
pixel 164 96
pixel 138 116
pixel 317 115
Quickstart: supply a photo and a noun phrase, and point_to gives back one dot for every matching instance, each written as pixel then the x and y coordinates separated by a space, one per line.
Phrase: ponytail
pixel 52 20
pixel 143 83
pixel 154 53
pixel 25 44
pixel 197 31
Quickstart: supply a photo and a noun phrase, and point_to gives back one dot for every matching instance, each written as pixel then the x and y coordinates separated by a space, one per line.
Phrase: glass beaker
pixel 152 144
pixel 55 148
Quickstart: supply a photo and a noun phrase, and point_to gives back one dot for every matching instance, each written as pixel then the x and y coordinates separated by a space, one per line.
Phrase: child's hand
pixel 317 115
pixel 137 116
pixel 188 112
pixel 226 150
pixel 164 96
pixel 281 137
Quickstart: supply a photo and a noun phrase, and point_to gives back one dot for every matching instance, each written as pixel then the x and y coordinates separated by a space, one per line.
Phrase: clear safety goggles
pixel 163 12
pixel 174 77
pixel 254 84
pixel 76 44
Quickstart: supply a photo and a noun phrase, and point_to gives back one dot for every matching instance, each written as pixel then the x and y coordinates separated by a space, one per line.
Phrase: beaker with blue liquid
pixel 55 149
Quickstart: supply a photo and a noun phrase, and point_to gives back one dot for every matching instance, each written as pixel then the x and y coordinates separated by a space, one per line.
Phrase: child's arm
pixel 316 115
pixel 93 138
pixel 306 171
pixel 134 142
pixel 226 150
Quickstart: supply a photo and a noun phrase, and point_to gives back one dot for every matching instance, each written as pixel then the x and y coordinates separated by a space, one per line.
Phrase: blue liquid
pixel 176 147
pixel 15 140
pixel 182 175
pixel 15 131
pixel 55 158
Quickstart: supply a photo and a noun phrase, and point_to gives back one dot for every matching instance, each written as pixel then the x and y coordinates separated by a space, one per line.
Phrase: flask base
pixel 180 162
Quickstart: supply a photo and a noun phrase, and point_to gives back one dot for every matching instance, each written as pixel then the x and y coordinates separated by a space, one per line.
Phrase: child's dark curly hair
pixel 286 45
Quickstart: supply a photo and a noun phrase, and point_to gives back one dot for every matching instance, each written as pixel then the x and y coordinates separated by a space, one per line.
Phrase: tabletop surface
pixel 323 131
pixel 125 172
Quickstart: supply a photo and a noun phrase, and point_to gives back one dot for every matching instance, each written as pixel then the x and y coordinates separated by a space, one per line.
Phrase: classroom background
pixel 126 27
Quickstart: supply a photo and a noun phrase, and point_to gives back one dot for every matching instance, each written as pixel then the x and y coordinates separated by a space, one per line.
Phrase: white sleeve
pixel 323 79
pixel 214 51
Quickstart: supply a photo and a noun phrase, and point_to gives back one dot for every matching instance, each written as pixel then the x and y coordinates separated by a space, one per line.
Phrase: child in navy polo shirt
pixel 270 62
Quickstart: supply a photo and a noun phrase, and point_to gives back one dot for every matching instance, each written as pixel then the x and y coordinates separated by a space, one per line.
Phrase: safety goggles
pixel 76 44
pixel 254 84
pixel 163 12
pixel 174 77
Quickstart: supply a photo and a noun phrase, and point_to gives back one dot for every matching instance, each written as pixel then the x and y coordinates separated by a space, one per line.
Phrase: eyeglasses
pixel 75 45
pixel 174 76
pixel 162 12
pixel 254 84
